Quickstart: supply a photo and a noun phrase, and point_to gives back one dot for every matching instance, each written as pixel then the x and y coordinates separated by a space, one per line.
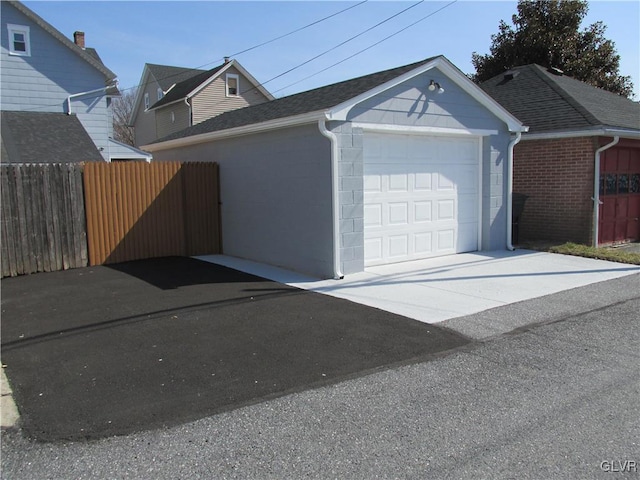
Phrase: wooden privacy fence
pixel 43 219
pixel 60 216
pixel 140 210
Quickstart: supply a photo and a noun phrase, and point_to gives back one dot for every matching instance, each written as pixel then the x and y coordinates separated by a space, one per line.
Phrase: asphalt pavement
pixel 557 399
pixel 103 351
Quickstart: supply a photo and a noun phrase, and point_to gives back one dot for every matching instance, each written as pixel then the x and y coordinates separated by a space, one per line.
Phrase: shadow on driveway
pixel 104 351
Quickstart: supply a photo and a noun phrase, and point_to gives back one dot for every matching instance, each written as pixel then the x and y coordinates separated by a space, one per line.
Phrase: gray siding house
pixel 171 99
pixel 43 73
pixel 404 164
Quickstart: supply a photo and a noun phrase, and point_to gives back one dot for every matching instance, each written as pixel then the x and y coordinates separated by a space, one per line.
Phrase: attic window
pixel 146 101
pixel 19 43
pixel 159 93
pixel 233 85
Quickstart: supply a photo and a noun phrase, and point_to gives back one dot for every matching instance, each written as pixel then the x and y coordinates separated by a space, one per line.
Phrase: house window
pixel 146 101
pixel 233 85
pixel 160 93
pixel 19 43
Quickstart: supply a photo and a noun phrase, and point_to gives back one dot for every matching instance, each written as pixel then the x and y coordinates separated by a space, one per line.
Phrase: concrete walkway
pixel 443 288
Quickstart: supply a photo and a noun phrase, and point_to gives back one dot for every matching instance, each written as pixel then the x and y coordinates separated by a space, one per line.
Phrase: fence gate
pixel 139 210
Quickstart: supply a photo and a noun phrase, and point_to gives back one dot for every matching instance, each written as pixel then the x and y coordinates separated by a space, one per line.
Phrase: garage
pixel 421 196
pixel 395 166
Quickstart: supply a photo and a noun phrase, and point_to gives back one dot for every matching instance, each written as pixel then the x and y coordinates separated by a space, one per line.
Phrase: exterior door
pixel 421 196
pixel 619 217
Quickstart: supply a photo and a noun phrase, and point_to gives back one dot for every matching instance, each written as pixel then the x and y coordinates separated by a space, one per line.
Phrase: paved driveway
pixel 103 351
pixel 445 288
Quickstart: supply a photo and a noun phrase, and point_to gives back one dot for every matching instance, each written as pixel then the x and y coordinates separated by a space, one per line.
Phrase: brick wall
pixel 557 175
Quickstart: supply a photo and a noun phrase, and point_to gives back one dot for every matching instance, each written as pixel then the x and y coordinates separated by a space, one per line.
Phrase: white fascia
pixel 340 112
pixel 598 132
pixel 297 120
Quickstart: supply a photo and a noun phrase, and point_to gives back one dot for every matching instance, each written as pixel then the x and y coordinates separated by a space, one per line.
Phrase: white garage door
pixel 421 196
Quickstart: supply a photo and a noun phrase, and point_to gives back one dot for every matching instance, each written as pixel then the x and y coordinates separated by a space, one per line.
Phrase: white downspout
pixel 596 188
pixel 335 198
pixel 512 144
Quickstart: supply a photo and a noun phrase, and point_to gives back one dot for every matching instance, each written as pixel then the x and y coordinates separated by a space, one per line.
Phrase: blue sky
pixel 199 34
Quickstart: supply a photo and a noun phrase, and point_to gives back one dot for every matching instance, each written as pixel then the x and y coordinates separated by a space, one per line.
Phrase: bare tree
pixel 122 108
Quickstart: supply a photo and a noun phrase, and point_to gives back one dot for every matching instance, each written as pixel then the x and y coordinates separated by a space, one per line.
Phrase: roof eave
pixel 306 118
pixel 590 132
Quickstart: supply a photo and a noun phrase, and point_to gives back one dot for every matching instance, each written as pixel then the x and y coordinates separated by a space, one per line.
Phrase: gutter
pixel 74 95
pixel 512 144
pixel 335 198
pixel 596 187
pixel 597 132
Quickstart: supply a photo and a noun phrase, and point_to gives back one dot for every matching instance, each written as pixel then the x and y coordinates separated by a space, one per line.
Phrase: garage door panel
pixel 398 213
pixel 422 211
pixel 421 197
pixel 373 215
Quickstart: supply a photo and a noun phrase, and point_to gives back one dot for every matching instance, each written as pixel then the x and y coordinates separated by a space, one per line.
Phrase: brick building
pixel 577 133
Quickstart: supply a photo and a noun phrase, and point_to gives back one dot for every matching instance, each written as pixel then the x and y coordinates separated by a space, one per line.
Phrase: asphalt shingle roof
pixel 167 75
pixel 310 101
pixel 37 137
pixel 547 101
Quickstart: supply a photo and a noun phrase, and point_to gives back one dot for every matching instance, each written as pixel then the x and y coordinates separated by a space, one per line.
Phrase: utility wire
pixel 255 87
pixel 232 55
pixel 368 48
pixel 263 43
pixel 343 43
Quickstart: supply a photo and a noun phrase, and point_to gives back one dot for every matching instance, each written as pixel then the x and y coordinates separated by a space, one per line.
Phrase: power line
pixel 368 48
pixel 255 87
pixel 316 22
pixel 343 43
pixel 263 43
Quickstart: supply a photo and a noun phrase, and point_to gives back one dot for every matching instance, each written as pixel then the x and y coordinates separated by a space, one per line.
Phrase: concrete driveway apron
pixel 443 288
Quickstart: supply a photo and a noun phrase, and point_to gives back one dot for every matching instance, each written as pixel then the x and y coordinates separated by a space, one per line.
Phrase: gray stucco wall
pixel 43 81
pixel 276 196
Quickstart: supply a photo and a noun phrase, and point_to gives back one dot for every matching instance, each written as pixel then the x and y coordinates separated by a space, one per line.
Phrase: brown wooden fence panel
pixel 43 221
pixel 139 210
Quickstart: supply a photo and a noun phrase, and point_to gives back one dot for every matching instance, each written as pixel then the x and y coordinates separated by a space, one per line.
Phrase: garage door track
pixel 103 351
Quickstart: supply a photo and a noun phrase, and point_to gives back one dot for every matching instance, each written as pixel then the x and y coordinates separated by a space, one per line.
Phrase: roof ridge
pixel 570 99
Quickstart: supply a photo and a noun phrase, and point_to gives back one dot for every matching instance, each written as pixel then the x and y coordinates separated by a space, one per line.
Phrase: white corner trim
pixel 423 130
pixel 297 120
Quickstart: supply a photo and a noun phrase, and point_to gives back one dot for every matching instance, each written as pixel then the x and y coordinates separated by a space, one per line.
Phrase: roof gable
pixel 548 101
pixel 193 84
pixel 90 56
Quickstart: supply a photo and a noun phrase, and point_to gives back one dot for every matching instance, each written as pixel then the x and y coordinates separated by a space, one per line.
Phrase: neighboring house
pixel 55 95
pixel 399 165
pixel 171 99
pixel 579 164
